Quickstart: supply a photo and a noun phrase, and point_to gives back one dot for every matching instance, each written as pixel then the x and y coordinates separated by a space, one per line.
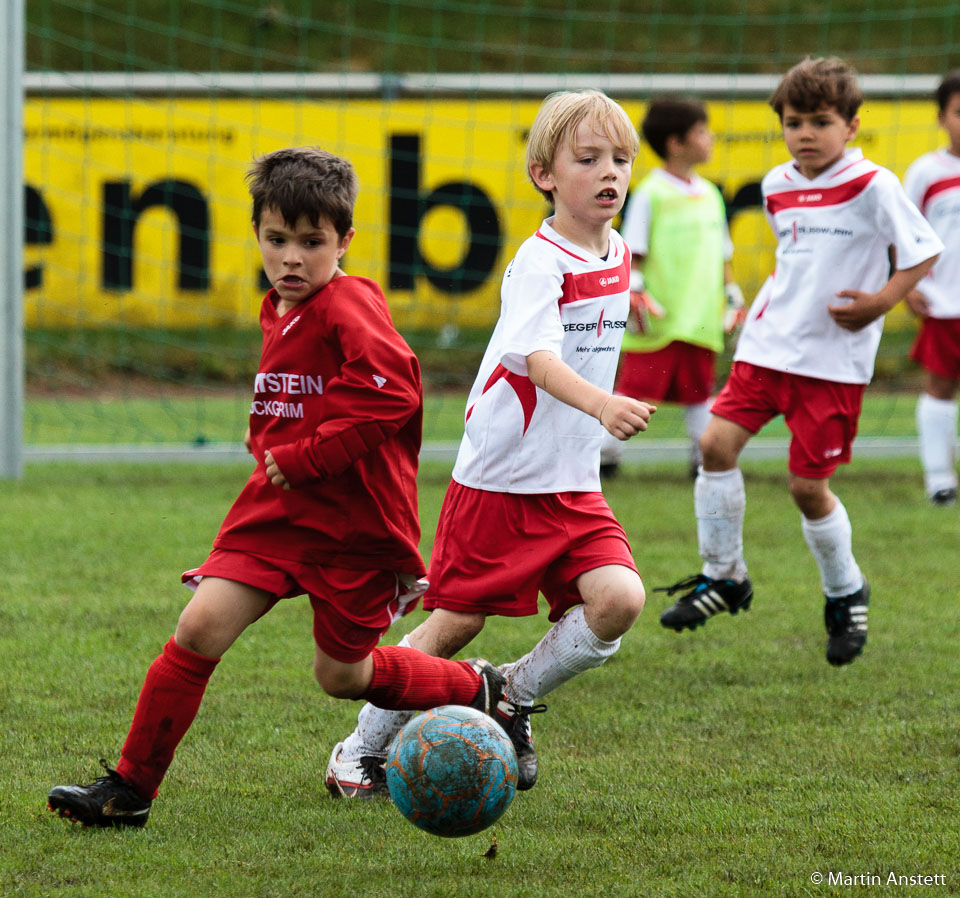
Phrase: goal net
pixel 141 282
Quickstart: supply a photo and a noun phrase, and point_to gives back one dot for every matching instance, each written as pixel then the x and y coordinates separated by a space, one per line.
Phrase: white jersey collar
pixel 851 156
pixel 546 230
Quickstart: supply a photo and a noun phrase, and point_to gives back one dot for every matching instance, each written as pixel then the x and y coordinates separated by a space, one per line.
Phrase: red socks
pixel 168 703
pixel 406 679
pixel 403 679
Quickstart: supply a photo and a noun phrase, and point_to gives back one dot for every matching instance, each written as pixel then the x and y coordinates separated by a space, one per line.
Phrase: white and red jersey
pixel 834 232
pixel 338 402
pixel 555 296
pixel 933 183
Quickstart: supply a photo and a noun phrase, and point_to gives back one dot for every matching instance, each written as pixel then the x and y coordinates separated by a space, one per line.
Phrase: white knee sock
pixel 568 648
pixel 937 429
pixel 696 417
pixel 720 502
pixel 376 727
pixel 830 541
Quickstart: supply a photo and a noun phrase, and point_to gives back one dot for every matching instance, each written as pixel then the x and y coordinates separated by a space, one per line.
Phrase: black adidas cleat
pixel 492 683
pixel 846 621
pixel 108 801
pixel 363 778
pixel 944 497
pixel 515 720
pixel 706 597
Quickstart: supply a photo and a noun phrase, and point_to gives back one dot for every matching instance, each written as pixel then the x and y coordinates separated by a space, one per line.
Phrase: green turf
pixel 728 762
pixel 206 418
pixel 194 387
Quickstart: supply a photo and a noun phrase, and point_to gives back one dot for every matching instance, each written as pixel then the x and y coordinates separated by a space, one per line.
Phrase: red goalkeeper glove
pixel 643 306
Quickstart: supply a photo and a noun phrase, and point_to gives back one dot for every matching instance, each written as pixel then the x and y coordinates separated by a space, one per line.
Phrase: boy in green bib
pixel 685 298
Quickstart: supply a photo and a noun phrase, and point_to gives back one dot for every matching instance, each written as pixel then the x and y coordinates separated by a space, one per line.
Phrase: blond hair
pixel 562 112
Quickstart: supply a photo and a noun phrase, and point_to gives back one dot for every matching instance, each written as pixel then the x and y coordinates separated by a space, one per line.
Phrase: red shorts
pixel 822 415
pixel 679 372
pixel 494 552
pixel 937 347
pixel 351 609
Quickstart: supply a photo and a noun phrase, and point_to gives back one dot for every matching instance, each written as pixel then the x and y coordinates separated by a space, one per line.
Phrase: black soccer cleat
pixel 944 497
pixel 492 683
pixel 706 597
pixel 846 621
pixel 108 801
pixel 515 720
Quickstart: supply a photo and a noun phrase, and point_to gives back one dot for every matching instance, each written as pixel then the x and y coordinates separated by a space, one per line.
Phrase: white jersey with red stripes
pixel 933 183
pixel 555 296
pixel 834 232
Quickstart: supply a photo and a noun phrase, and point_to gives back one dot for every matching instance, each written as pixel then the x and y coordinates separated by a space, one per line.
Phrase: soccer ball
pixel 452 771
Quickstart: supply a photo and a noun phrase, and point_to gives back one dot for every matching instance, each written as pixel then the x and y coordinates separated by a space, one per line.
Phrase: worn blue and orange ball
pixel 452 771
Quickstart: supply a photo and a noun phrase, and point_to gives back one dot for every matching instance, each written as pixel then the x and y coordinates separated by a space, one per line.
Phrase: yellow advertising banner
pixel 138 212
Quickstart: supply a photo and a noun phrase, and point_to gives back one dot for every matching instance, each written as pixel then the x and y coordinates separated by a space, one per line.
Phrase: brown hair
pixel 670 117
pixel 814 83
pixel 947 88
pixel 304 181
pixel 560 115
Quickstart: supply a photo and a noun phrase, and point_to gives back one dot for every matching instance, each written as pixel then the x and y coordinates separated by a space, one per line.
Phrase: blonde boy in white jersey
pixel 524 513
pixel 933 183
pixel 807 349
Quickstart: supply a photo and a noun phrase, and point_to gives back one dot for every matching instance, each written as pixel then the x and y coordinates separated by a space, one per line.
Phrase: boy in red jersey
pixel 933 183
pixel 807 349
pixel 330 510
pixel 524 513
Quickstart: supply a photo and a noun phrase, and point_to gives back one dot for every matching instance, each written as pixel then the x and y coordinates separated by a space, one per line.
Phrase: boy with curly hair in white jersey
pixel 933 183
pixel 807 349
pixel 524 513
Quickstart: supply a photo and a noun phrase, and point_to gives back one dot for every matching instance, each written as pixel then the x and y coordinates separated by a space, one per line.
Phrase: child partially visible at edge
pixel 676 228
pixel 933 183
pixel 807 349
pixel 330 510
pixel 524 514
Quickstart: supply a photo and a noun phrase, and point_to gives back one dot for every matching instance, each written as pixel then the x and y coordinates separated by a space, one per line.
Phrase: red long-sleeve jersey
pixel 339 403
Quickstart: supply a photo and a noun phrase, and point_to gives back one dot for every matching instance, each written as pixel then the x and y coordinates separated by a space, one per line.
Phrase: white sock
pixel 720 502
pixel 611 449
pixel 376 727
pixel 830 540
pixel 568 648
pixel 696 417
pixel 937 429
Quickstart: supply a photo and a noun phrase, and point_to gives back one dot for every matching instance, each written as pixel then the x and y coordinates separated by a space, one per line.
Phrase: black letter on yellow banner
pixel 407 209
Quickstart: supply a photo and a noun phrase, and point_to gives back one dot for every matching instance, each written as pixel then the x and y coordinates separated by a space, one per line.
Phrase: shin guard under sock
pixel 404 678
pixel 168 703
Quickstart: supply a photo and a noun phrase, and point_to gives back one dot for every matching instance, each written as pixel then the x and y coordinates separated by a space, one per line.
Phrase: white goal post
pixel 11 241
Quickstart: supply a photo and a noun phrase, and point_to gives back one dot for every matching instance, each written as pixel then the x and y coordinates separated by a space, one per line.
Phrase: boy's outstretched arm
pixel 867 307
pixel 620 415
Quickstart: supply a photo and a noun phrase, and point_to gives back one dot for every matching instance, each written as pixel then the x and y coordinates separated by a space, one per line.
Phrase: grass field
pixel 205 418
pixel 148 387
pixel 729 762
